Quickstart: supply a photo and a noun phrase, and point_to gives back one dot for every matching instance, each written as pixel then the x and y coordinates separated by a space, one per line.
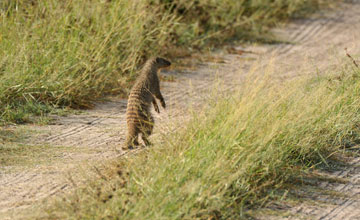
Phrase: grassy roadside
pixel 68 53
pixel 234 156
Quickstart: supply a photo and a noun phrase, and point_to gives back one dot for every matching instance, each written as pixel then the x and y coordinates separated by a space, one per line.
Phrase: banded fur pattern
pixel 144 92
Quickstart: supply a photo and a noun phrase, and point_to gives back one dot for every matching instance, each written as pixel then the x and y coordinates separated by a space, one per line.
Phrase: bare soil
pixel 96 135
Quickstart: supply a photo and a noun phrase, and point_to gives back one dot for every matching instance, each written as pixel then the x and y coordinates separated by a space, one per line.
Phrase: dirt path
pixel 96 135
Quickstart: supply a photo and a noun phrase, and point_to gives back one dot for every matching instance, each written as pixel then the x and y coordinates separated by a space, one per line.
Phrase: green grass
pixel 234 156
pixel 70 53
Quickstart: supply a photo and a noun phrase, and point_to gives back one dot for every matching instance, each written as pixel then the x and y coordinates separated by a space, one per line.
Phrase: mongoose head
pixel 161 62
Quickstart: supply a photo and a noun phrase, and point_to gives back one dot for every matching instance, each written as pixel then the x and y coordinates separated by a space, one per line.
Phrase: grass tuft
pixel 231 158
pixel 69 53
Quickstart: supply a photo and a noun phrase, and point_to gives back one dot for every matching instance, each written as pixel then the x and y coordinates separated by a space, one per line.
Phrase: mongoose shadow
pixel 143 93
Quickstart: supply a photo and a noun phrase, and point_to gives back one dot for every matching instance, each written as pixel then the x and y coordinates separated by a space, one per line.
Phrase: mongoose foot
pixel 128 147
pixel 146 142
pixel 146 145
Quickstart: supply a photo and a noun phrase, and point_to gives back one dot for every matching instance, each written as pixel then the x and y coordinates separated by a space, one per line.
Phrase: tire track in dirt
pixel 328 200
pixel 349 206
pixel 100 131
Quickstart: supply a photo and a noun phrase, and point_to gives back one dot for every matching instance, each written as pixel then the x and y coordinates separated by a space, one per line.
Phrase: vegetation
pixel 232 157
pixel 235 155
pixel 68 53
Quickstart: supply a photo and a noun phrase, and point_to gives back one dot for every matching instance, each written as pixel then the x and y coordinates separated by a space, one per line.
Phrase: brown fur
pixel 143 93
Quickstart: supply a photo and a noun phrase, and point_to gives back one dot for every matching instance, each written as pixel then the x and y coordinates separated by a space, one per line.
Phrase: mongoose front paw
pixel 157 108
pixel 163 104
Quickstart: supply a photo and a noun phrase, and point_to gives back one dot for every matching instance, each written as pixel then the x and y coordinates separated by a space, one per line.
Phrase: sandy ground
pixel 317 43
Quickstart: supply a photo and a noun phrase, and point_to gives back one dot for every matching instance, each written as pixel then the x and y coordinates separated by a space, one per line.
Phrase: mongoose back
pixel 143 93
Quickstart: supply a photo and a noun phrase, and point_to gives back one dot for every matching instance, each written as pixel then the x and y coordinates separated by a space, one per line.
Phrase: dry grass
pixel 69 53
pixel 230 158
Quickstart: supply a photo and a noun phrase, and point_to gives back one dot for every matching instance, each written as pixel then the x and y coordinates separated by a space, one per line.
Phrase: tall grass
pixel 235 155
pixel 69 53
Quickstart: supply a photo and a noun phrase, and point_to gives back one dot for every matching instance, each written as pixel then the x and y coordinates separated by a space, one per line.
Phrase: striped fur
pixel 145 90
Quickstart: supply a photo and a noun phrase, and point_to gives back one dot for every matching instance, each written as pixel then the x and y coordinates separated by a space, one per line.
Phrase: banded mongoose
pixel 143 93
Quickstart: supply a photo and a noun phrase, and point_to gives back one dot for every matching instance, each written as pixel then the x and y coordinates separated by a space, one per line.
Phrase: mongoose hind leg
pixel 146 140
pixel 132 144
